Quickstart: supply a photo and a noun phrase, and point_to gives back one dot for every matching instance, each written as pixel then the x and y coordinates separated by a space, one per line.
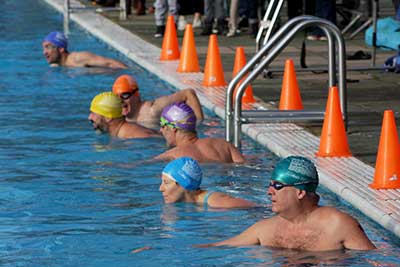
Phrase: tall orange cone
pixel 290 93
pixel 387 166
pixel 240 61
pixel 170 44
pixel 333 142
pixel 213 71
pixel 188 61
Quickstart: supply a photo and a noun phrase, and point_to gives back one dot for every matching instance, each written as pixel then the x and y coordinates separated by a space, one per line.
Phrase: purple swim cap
pixel 58 39
pixel 180 115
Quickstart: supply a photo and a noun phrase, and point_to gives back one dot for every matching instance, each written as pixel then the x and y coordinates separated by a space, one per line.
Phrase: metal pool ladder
pixel 235 116
pixel 68 9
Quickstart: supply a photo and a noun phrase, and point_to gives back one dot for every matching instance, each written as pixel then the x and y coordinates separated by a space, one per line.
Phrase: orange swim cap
pixel 124 84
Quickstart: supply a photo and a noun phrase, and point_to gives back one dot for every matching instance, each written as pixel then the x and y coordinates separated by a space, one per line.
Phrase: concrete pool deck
pixel 374 92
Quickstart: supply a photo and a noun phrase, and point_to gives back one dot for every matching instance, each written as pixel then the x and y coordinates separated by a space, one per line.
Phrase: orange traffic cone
pixel 213 71
pixel 188 61
pixel 240 61
pixel 170 46
pixel 387 166
pixel 290 93
pixel 333 142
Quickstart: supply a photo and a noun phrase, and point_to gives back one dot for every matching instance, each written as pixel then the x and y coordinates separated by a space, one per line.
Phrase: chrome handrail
pixel 261 60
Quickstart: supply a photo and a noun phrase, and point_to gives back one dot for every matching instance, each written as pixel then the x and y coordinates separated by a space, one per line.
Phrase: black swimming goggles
pixel 278 185
pixel 127 95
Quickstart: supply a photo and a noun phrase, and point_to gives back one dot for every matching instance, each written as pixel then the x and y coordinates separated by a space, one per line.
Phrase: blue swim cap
pixel 185 171
pixel 58 39
pixel 297 171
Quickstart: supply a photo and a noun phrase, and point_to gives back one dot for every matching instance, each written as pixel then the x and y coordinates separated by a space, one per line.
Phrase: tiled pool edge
pixel 346 177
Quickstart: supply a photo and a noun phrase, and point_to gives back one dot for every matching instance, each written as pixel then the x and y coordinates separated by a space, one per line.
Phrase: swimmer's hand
pixel 141 249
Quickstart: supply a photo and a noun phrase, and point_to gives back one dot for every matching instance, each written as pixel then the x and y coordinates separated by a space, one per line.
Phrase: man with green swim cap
pixel 300 223
pixel 106 117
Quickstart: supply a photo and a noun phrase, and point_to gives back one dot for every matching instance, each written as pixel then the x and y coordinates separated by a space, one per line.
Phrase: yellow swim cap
pixel 107 104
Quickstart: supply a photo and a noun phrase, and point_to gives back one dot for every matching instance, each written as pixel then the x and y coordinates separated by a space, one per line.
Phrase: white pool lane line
pixel 347 177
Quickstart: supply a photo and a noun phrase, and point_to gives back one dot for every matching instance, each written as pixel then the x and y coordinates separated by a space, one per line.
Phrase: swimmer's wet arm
pixel 91 60
pixel 236 155
pixel 221 200
pixel 354 235
pixel 247 238
pixel 187 96
pixel 193 101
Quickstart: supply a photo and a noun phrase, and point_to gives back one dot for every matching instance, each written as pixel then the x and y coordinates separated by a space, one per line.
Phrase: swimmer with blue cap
pixel 106 117
pixel 178 126
pixel 180 182
pixel 300 223
pixel 55 50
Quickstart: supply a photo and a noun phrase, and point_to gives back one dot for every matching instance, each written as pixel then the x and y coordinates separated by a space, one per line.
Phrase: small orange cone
pixel 290 93
pixel 188 61
pixel 387 166
pixel 170 46
pixel 240 61
pixel 213 71
pixel 333 142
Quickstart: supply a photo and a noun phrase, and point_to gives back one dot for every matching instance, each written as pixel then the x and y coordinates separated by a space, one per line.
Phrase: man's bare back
pixel 206 150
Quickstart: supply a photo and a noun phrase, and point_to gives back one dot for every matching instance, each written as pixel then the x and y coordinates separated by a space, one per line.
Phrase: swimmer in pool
pixel 106 117
pixel 178 126
pixel 55 46
pixel 300 223
pixel 136 110
pixel 180 182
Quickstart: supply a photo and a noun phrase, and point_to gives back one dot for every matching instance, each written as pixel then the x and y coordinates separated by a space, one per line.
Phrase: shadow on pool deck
pixel 369 92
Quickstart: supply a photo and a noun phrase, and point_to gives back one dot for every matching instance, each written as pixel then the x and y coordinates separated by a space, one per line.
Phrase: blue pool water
pixel 72 198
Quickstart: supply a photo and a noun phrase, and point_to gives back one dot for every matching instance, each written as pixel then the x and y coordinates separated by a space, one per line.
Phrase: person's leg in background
pixel 198 10
pixel 220 15
pixel 325 9
pixel 233 18
pixel 208 19
pixel 159 16
pixel 161 8
pixel 253 17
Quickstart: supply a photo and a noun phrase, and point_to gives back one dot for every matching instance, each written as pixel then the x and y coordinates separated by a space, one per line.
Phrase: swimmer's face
pixel 129 101
pixel 284 198
pixel 172 192
pixel 169 134
pixel 99 122
pixel 51 52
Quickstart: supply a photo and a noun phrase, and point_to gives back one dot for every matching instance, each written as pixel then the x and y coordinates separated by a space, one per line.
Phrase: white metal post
pixel 66 16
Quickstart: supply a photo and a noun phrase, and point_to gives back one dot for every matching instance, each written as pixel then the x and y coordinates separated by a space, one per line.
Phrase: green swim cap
pixel 297 171
pixel 107 104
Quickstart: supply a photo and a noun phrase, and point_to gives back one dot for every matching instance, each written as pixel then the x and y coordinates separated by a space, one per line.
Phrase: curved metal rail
pixel 265 56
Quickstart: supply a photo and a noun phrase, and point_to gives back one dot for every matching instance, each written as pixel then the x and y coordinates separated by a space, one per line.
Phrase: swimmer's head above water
pixel 125 86
pixel 295 171
pixel 179 116
pixel 185 171
pixel 104 107
pixel 54 45
pixel 58 39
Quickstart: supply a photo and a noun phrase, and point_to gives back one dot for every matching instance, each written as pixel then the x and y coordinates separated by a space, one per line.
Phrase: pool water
pixel 70 197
